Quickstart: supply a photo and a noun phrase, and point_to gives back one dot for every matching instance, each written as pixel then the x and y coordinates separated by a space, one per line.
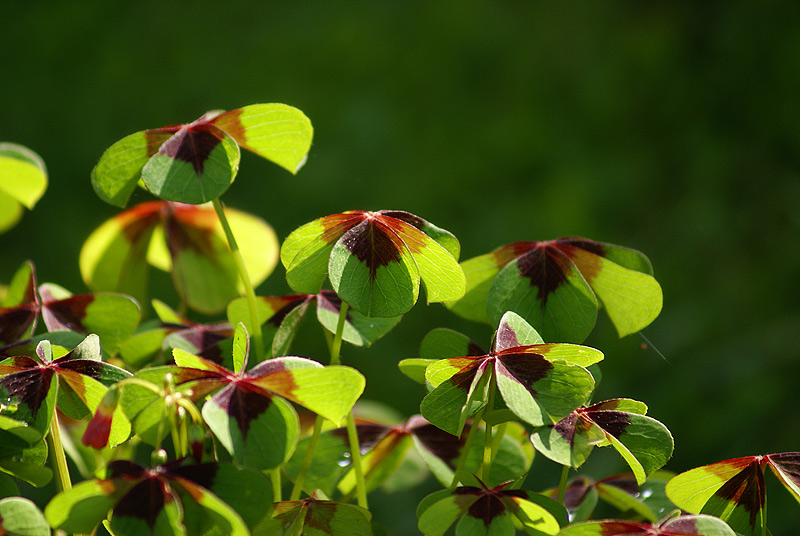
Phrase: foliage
pixel 224 410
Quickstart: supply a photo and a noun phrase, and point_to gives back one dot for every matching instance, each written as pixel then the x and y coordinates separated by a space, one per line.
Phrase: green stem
pixel 562 486
pixel 355 455
pixel 275 477
pixel 462 460
pixel 352 435
pixel 250 294
pixel 59 459
pixel 487 438
pixel 309 455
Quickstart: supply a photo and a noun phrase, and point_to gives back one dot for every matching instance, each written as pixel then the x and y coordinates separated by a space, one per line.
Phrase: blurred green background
pixel 672 128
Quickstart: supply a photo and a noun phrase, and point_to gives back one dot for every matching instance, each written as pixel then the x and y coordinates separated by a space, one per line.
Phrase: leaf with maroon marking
pixel 460 389
pixel 441 452
pixel 375 260
pixel 555 285
pixel 546 289
pixel 195 165
pixel 20 306
pixel 314 517
pixel 120 167
pixel 734 490
pixel 165 500
pixel 358 329
pixel 632 298
pixel 29 395
pixel 372 269
pixel 307 249
pixel 696 525
pixel 646 502
pixel 327 391
pixel 537 390
pixel 513 331
pixel 185 240
pixel 280 133
pixel 483 511
pixel 114 257
pixel 278 316
pixel 113 317
pixel 644 443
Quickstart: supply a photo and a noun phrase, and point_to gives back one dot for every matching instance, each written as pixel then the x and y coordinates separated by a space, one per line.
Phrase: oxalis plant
pixel 174 426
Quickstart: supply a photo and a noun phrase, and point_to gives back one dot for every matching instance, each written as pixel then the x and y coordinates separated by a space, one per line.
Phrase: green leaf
pixel 306 251
pixel 384 284
pixel 313 517
pixel 358 329
pixel 83 507
pixel 33 474
pixel 442 343
pixel 23 180
pixel 513 330
pixel 258 432
pixel 21 517
pixel 241 347
pixel 196 165
pixel 277 132
pixel 328 391
pixel 120 167
pixel 632 299
pixel 414 368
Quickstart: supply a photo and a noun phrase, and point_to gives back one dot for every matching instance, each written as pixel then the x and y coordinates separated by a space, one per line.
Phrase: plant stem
pixel 355 455
pixel 59 459
pixel 275 477
pixel 562 486
pixel 487 438
pixel 250 294
pixel 307 457
pixel 336 346
pixel 462 460
pixel 352 435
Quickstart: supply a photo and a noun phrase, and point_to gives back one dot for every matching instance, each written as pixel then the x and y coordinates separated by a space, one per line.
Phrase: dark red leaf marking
pixel 527 369
pixel 626 482
pixel 614 528
pixel 69 313
pixel 566 426
pixel 505 254
pixel 488 506
pixel 139 219
pixel 30 387
pixel 613 422
pixel 789 463
pixel 320 514
pixel 16 321
pixel 368 434
pixel 464 377
pixel 192 144
pixel 374 244
pixel 202 474
pixel 180 236
pixel 746 489
pixel 145 500
pixel 546 267
pixel 407 217
pixel 244 403
pixel 576 492
pixel 682 525
pixel 294 301
pixel 442 444
pixel 155 138
pixel 591 246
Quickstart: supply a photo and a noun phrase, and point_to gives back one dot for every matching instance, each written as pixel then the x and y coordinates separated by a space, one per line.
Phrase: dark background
pixel 672 128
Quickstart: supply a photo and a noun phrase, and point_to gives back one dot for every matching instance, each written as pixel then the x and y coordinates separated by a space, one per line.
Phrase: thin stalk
pixel 336 346
pixel 462 460
pixel 562 486
pixel 309 455
pixel 249 292
pixel 59 459
pixel 487 438
pixel 275 478
pixel 355 455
